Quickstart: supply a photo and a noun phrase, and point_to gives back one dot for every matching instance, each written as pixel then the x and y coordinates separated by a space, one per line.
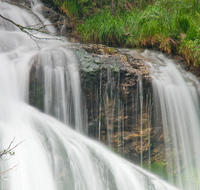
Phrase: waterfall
pixel 53 155
pixel 141 105
pixel 62 98
pixel 176 95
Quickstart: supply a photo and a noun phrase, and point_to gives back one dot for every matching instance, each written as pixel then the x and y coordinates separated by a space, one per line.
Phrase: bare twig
pixel 24 29
pixel 9 151
pixel 10 148
pixel 25 7
pixel 1 173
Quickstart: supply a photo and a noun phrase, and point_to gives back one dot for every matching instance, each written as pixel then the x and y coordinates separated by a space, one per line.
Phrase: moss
pixel 109 50
pixel 157 168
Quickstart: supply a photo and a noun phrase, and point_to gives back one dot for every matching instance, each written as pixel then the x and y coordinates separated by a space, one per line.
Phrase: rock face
pixel 118 98
pixel 117 95
pixel 61 23
pixel 36 86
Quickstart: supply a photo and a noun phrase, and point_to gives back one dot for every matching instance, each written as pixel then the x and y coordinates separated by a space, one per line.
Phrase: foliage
pixel 158 169
pixel 103 28
pixel 85 8
pixel 169 25
pixel 190 49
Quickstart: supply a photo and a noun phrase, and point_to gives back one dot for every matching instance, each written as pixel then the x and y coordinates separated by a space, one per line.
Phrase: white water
pixel 176 96
pixel 53 156
pixel 62 84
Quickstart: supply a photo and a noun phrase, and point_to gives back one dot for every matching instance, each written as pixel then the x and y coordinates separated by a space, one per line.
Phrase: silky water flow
pixel 176 100
pixel 52 156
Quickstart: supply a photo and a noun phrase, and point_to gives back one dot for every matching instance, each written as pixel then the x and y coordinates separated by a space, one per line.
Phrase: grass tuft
pixel 169 25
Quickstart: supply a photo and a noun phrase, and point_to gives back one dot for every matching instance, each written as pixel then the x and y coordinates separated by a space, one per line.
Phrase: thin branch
pixel 10 144
pixel 9 151
pixel 50 25
pixel 10 148
pixel 27 8
pixel 8 170
pixel 24 29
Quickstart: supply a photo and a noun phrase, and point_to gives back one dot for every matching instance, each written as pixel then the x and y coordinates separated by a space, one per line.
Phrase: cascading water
pixel 163 124
pixel 176 98
pixel 53 156
pixel 62 98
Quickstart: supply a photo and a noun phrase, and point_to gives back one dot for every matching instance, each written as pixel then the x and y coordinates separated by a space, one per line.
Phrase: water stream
pixel 176 97
pixel 53 156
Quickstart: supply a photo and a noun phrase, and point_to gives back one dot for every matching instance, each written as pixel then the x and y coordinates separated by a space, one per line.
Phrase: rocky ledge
pixel 117 59
pixel 116 86
pixel 113 82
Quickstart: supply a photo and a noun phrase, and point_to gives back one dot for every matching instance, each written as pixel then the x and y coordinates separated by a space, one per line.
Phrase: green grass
pixel 171 26
pixel 103 28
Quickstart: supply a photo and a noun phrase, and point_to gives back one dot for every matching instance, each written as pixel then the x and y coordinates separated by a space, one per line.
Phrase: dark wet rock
pixel 112 99
pixel 111 93
pixel 60 22
pixel 36 85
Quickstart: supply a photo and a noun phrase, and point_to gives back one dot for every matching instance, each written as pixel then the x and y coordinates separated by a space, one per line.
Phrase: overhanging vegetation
pixel 173 26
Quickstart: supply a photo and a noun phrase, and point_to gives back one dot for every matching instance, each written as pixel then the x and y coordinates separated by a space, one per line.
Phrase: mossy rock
pixel 158 169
